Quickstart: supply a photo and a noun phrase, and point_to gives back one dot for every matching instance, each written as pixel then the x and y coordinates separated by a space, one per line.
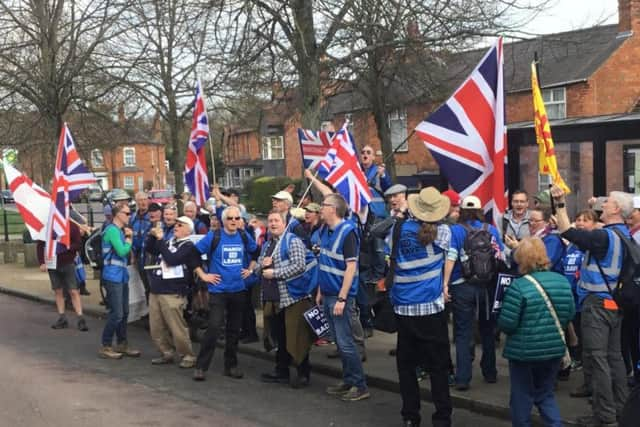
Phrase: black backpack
pixel 627 291
pixel 93 249
pixel 217 235
pixel 479 264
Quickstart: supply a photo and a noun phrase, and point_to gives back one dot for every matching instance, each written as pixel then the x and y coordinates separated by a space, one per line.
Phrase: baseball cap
pixel 453 197
pixel 186 221
pixel 119 195
pixel 154 207
pixel 471 202
pixel 283 195
pixel 312 207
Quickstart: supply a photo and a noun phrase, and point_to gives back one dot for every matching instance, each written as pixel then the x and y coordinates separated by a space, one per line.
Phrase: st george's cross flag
pixel 32 201
pixel 70 178
pixel 195 168
pixel 467 135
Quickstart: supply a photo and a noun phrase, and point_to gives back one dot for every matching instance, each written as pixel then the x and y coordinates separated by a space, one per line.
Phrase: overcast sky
pixel 566 15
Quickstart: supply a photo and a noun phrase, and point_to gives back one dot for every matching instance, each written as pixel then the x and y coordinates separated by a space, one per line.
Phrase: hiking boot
pixel 61 323
pixel 274 377
pixel 338 389
pixel 233 373
pixel 84 291
pixel 107 352
pixel 187 362
pixel 300 381
pixel 127 351
pixel 82 325
pixel 165 359
pixel 354 394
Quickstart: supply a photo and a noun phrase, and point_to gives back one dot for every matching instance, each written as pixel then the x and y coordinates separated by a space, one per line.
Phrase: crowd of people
pixel 429 256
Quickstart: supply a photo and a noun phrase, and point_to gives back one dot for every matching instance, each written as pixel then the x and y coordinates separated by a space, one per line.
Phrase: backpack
pixel 93 249
pixel 627 291
pixel 479 264
pixel 217 235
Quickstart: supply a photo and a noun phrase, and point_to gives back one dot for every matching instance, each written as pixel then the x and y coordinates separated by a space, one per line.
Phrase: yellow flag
pixel 546 152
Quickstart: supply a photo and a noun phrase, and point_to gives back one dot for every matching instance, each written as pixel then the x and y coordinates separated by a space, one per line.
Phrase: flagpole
pixel 535 61
pixel 213 162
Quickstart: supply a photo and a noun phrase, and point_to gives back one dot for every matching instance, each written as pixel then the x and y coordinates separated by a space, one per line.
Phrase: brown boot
pixel 126 350
pixel 107 352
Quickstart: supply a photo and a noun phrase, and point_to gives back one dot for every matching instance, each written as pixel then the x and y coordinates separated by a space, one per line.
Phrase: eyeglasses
pixel 536 220
pixel 234 218
pixel 366 152
pixel 126 213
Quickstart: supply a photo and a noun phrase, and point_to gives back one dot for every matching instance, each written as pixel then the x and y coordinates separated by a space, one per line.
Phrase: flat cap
pixel 395 189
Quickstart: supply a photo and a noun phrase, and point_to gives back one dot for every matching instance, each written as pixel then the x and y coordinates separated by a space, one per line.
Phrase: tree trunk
pixel 308 66
pixel 380 115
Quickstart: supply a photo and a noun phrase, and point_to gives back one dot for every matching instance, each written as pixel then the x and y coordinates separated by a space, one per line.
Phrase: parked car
pixel 7 196
pixel 161 196
pixel 95 194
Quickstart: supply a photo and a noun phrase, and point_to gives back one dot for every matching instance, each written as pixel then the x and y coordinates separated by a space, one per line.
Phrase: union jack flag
pixel 70 178
pixel 314 147
pixel 467 134
pixel 345 173
pixel 195 168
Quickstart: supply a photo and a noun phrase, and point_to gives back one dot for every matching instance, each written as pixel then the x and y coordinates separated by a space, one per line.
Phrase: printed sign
pixel 504 280
pixel 231 254
pixel 315 318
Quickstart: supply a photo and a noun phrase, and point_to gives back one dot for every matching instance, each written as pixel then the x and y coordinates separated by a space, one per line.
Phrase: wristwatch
pixel 561 205
pixel 340 299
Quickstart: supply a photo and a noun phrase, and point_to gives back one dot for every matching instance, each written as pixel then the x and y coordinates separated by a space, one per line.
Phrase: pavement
pixel 486 399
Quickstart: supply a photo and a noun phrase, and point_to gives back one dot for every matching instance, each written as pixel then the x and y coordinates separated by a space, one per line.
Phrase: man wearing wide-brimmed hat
pixel 469 294
pixel 418 296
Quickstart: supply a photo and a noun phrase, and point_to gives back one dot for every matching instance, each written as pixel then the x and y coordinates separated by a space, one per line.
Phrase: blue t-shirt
pixel 227 260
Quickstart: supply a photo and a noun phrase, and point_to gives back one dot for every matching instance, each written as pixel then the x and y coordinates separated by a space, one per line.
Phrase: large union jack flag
pixel 195 168
pixel 314 146
pixel 467 134
pixel 70 178
pixel 344 171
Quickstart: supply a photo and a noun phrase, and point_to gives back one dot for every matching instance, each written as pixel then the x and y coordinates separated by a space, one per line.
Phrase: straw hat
pixel 429 205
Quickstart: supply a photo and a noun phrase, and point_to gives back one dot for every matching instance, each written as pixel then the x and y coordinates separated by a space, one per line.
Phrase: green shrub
pixel 260 189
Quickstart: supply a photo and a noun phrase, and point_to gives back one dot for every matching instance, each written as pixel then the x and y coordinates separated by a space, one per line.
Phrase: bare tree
pixel 49 61
pixel 173 39
pixel 398 52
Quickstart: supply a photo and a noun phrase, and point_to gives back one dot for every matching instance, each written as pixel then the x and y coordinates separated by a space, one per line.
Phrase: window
pixel 128 182
pixel 272 148
pixel 97 161
pixel 327 126
pixel 398 129
pixel 543 182
pixel 129 156
pixel 555 103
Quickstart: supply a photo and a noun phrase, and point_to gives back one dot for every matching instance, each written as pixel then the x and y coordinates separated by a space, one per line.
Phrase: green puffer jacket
pixel 531 331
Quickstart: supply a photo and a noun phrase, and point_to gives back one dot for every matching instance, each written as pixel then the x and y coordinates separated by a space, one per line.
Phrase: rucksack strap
pixel 393 260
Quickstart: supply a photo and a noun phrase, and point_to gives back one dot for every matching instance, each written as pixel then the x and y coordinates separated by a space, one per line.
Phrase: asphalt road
pixel 54 378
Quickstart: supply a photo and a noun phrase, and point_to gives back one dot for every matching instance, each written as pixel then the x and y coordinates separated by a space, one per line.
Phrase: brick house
pixel 137 162
pixel 590 85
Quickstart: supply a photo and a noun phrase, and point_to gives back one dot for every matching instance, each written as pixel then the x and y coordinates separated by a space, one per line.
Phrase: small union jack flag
pixel 467 134
pixel 345 173
pixel 195 168
pixel 70 178
pixel 314 147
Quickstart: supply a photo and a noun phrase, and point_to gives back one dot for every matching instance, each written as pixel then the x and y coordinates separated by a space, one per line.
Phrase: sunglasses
pixel 179 224
pixel 126 213
pixel 366 152
pixel 235 218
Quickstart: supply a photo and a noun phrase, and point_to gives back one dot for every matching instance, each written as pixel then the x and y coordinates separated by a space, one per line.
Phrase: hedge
pixel 260 189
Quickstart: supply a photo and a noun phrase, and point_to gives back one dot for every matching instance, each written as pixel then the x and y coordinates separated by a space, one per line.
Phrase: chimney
pixel 628 16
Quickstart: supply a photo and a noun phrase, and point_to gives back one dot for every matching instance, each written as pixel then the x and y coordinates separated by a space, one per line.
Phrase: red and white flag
pixel 32 201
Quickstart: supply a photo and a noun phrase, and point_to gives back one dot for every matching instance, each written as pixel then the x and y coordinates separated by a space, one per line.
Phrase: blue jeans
pixel 466 299
pixel 117 300
pixel 340 326
pixel 532 383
